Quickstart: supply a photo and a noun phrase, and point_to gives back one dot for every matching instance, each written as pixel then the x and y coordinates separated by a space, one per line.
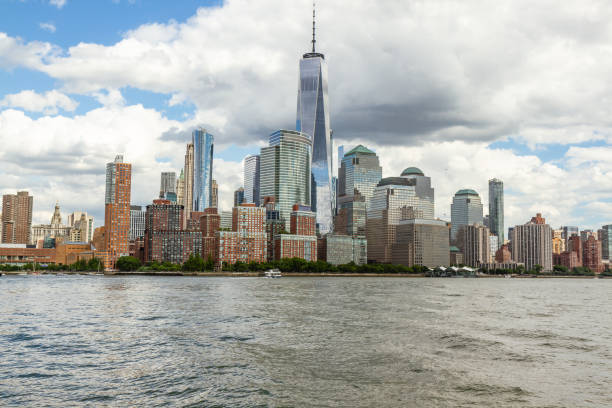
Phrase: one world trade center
pixel 313 119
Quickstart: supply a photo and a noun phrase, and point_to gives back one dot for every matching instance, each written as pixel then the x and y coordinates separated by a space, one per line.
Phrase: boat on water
pixel 273 273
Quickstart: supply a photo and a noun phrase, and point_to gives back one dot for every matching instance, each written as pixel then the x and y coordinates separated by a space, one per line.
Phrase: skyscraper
pixel 251 179
pixel 168 183
pixel 17 217
pixel 313 120
pixel 474 243
pixel 137 222
pixel 188 194
pixel 359 172
pixel 239 197
pixel 408 197
pixel 285 171
pixel 606 242
pixel 496 209
pixel 214 201
pixel 532 244
pixel 466 209
pixel 203 143
pixel 117 209
pixel 180 188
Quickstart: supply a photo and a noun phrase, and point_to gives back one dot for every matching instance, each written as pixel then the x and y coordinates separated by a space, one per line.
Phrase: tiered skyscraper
pixel 496 209
pixel 313 120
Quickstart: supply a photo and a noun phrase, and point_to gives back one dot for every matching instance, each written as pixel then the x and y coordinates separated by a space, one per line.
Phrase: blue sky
pixel 462 91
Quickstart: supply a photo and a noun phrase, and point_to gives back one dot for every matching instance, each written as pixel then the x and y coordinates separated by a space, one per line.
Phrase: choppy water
pixel 325 342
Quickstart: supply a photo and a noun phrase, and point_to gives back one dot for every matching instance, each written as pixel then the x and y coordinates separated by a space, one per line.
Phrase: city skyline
pixel 119 111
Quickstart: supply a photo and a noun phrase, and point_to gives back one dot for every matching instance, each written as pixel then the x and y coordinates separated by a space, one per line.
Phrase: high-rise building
pixel 496 209
pixel 301 242
pixel 203 146
pixel 585 234
pixel 591 254
pixel 210 222
pixel 137 222
pixel 16 218
pixel 422 242
pixel 532 244
pixel 466 209
pixel 165 240
pixel 251 179
pixel 359 172
pixel 247 240
pixel 558 242
pixel 239 197
pixel 188 193
pixel 225 220
pixel 81 226
pixel 351 215
pixel 214 203
pixel 285 171
pixel 86 228
pixel 117 209
pixel 474 243
pixel 180 188
pixel 313 120
pixel 606 242
pixel 168 183
pixel 409 196
pixel 569 231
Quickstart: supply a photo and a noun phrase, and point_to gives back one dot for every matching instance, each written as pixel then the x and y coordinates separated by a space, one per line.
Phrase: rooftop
pixel 412 171
pixel 400 181
pixel 359 149
pixel 466 191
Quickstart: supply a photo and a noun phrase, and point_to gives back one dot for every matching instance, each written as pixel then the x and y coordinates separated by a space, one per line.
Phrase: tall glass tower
pixel 313 120
pixel 251 179
pixel 285 171
pixel 203 143
pixel 496 209
pixel 466 209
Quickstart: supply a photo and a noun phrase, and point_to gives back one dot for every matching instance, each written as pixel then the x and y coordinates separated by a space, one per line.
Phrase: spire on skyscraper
pixel 313 28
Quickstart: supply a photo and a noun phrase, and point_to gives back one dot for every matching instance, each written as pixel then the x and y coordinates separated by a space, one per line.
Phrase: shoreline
pixel 285 274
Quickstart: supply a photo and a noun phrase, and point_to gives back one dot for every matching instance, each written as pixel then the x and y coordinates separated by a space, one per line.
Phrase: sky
pixel 467 91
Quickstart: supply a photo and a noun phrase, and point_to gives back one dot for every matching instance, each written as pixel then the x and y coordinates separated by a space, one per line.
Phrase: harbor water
pixel 298 342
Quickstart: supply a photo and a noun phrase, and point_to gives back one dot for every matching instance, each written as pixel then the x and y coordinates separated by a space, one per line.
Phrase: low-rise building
pixel 343 249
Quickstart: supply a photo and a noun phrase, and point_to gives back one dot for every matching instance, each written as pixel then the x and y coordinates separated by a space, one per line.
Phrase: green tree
pixel 128 263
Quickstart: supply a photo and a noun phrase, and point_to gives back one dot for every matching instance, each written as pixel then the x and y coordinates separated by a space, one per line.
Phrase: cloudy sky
pixel 466 91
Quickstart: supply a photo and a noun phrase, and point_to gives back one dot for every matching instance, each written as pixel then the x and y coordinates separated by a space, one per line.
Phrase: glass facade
pixel 360 171
pixel 466 209
pixel 606 242
pixel 203 143
pixel 496 210
pixel 285 171
pixel 251 179
pixel 313 120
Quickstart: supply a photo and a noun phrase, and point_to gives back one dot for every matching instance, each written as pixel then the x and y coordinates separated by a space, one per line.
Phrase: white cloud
pixel 58 3
pixel 427 83
pixel 48 103
pixel 15 52
pixel 47 27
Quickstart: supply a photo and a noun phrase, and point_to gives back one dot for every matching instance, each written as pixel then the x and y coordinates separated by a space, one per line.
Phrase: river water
pixel 324 342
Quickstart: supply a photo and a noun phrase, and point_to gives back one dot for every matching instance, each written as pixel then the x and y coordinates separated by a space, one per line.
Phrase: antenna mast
pixel 313 27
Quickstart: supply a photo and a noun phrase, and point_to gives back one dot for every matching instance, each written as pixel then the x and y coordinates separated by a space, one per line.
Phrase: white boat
pixel 273 273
